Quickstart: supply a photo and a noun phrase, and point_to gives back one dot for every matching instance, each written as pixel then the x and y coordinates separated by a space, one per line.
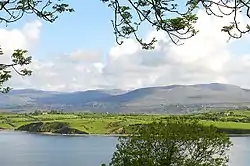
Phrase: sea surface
pixel 24 149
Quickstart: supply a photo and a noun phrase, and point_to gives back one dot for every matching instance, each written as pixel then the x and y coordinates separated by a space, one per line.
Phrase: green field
pixel 97 123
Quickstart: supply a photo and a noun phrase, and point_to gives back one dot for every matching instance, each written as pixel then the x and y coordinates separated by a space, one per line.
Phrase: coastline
pixel 58 134
pixel 109 135
pixel 97 135
pixel 78 135
pixel 239 135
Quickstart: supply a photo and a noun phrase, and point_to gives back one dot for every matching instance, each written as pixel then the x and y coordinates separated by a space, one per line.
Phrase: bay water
pixel 25 149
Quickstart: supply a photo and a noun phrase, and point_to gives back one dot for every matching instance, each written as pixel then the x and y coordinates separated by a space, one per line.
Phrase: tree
pixel 14 10
pixel 18 59
pixel 173 143
pixel 174 17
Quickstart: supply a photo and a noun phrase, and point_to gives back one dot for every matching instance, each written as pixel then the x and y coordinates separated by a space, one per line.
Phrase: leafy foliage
pixel 174 17
pixel 174 142
pixel 161 14
pixel 19 60
pixel 14 10
pixel 222 8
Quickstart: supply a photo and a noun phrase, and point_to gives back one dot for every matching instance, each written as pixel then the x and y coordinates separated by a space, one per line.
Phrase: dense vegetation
pixel 51 127
pixel 233 122
pixel 177 141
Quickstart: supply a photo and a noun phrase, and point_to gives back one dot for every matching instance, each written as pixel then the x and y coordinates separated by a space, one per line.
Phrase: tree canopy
pixel 173 143
pixel 176 18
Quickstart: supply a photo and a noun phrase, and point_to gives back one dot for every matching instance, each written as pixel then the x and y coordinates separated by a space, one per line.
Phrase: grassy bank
pixel 233 122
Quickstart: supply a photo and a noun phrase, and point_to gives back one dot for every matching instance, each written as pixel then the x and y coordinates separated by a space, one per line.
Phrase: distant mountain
pixel 171 99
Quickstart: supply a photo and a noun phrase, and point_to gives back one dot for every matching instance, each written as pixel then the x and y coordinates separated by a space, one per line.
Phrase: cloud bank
pixel 205 58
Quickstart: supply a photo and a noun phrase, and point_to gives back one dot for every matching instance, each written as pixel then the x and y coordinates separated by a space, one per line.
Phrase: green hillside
pixel 233 122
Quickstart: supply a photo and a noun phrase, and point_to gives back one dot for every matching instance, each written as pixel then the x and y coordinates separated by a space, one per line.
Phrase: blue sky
pixel 88 28
pixel 205 58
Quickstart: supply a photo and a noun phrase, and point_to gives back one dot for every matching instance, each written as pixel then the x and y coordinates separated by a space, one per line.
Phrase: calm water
pixel 22 149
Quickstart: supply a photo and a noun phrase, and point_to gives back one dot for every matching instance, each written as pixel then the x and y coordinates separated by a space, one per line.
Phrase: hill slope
pixel 171 99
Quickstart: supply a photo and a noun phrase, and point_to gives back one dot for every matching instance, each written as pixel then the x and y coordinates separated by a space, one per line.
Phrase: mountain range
pixel 163 99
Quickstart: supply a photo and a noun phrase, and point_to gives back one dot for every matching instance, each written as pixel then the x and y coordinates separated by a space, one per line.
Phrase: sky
pixel 78 52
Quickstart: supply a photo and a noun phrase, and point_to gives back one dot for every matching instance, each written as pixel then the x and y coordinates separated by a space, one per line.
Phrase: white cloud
pixel 205 58
pixel 18 39
pixel 12 39
pixel 31 30
pixel 85 56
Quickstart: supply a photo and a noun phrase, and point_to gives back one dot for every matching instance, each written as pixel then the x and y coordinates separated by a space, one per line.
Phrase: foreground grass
pixel 93 123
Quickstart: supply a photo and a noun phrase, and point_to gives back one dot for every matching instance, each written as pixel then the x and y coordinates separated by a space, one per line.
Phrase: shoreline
pixel 239 135
pixel 58 134
pixel 77 135
pixel 97 135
